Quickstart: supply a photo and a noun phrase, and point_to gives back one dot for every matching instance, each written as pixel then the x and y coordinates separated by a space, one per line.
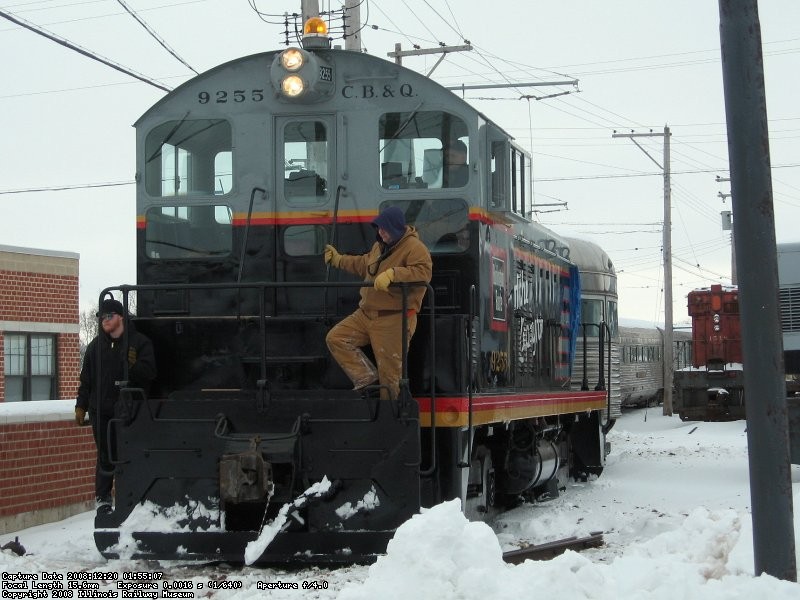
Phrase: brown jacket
pixel 411 261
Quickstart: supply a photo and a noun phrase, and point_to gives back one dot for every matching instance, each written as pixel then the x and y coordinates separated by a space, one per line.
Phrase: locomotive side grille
pixel 790 309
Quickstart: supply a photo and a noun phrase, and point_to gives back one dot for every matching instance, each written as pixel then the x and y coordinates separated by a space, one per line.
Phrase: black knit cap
pixel 110 305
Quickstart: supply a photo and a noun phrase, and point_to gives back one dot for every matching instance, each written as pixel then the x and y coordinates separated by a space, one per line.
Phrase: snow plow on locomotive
pixel 252 433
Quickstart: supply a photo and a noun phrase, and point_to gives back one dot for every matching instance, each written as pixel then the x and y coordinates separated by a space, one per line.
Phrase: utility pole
pixel 309 8
pixel 352 24
pixel 667 249
pixel 757 262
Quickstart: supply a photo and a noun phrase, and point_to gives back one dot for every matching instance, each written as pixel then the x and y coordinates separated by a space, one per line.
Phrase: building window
pixel 30 367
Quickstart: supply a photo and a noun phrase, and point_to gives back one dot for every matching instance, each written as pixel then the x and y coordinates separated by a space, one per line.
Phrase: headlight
pixel 292 59
pixel 292 85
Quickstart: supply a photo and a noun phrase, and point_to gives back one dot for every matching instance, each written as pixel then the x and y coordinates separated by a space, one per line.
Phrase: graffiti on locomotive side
pixel 529 334
pixel 536 289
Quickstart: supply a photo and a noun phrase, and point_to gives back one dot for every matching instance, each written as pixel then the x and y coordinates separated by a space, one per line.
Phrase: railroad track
pixel 552 549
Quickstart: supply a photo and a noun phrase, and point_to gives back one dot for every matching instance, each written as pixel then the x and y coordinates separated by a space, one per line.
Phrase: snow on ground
pixel 673 504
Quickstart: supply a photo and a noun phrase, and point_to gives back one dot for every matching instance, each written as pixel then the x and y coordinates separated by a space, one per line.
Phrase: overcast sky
pixel 66 120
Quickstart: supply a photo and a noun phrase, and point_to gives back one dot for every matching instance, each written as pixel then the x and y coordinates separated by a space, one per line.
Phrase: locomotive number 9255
pixel 224 96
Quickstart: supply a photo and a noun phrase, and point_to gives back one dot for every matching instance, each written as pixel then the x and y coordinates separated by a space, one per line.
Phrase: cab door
pixel 305 192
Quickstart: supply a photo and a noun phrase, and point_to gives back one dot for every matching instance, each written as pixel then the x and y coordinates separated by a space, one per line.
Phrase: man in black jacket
pixel 107 353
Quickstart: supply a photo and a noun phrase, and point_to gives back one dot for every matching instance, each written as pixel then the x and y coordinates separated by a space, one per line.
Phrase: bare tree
pixel 89 326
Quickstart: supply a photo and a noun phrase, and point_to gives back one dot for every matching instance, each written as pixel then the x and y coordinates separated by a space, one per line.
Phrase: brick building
pixel 46 461
pixel 46 464
pixel 39 342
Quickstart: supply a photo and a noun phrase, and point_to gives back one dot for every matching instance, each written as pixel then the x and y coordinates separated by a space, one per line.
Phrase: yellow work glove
pixel 383 280
pixel 332 256
pixel 80 416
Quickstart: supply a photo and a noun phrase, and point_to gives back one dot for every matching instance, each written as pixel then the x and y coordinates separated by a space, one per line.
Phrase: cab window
pixel 305 162
pixel 189 157
pixel 423 149
pixel 441 223
pixel 188 232
pixel 305 240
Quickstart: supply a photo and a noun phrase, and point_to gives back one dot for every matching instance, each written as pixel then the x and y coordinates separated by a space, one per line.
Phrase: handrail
pixel 601 360
pixel 604 328
pixel 470 374
pixel 404 379
pixel 243 253
pixel 263 286
pixel 585 381
pixel 603 382
pixel 334 230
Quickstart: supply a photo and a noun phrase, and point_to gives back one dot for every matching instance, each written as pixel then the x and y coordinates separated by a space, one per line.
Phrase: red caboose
pixel 716 330
pixel 713 389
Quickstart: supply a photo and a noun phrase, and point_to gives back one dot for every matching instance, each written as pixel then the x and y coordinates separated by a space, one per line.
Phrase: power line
pixel 67 44
pixel 93 17
pixel 622 176
pixel 61 188
pixel 262 14
pixel 155 36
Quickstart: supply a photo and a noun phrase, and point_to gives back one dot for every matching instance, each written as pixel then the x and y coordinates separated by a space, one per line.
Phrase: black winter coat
pixel 112 355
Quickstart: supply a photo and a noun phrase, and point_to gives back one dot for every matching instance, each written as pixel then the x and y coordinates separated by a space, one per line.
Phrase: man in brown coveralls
pixel 398 255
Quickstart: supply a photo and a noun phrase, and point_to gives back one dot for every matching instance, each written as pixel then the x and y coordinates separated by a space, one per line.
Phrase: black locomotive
pixel 244 173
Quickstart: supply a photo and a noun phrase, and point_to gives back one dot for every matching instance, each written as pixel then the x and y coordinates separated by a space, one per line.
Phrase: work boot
pixel 369 377
pixel 103 505
pixel 360 385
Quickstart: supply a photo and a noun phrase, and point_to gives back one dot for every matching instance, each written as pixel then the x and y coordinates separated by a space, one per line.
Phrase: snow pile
pixel 437 554
pixel 441 555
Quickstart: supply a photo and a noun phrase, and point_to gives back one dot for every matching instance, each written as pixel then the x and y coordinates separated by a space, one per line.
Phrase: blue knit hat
pixel 393 221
